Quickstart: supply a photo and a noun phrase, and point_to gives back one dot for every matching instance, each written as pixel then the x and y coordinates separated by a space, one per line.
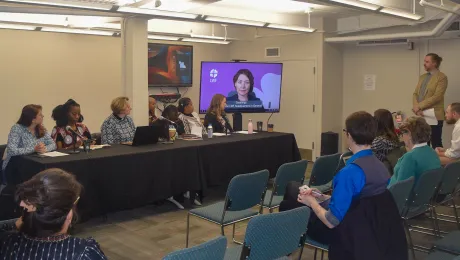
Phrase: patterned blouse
pixel 60 134
pixel 21 142
pixel 192 123
pixel 116 130
pixel 382 146
pixel 16 245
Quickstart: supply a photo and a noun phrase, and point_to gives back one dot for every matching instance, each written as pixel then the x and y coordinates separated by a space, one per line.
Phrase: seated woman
pixel 191 120
pixel 152 107
pixel 172 114
pixel 49 201
pixel 243 81
pixel 119 126
pixel 216 116
pixel 420 157
pixel 360 205
pixel 386 139
pixel 69 114
pixel 27 136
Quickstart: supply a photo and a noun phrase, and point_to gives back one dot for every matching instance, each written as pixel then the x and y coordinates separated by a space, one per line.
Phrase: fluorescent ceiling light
pixel 163 37
pixel 33 18
pixel 174 5
pixel 77 31
pixel 277 6
pixel 65 4
pixel 291 28
pixel 401 13
pixel 212 37
pixel 16 27
pixel 156 12
pixel 204 41
pixel 359 4
pixel 234 21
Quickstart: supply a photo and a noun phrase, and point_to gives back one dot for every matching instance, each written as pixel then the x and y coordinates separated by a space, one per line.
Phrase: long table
pixel 123 177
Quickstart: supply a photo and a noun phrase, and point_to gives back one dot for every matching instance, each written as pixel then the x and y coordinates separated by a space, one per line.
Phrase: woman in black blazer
pixel 216 116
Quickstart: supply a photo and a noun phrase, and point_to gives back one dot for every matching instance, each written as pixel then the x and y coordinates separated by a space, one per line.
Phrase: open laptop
pixel 144 135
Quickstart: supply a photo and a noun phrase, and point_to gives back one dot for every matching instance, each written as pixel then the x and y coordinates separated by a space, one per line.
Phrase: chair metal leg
pixel 233 236
pixel 270 210
pixel 188 229
pixel 456 213
pixel 411 245
pixel 433 221
pixel 436 221
pixel 322 254
pixel 301 251
pixel 316 251
pixel 222 230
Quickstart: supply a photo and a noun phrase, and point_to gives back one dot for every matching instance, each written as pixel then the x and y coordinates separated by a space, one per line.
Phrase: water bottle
pixel 250 127
pixel 210 131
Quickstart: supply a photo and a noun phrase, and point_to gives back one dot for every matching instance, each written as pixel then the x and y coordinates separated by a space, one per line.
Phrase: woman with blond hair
pixel 216 116
pixel 119 126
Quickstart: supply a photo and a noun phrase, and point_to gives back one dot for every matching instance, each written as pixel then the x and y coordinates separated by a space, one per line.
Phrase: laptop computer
pixel 144 135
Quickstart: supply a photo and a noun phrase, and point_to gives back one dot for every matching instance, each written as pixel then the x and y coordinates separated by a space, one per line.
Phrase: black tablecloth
pixel 122 177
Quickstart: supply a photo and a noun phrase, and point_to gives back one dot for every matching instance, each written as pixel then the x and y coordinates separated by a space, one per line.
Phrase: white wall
pixel 49 68
pixel 397 70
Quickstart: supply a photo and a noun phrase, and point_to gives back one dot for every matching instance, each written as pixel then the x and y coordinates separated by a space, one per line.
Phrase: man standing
pixel 429 93
pixel 453 153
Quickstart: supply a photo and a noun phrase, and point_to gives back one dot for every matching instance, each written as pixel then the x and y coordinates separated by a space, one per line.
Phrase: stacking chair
pixel 446 192
pixel 439 255
pixel 211 250
pixel 449 243
pixel 420 202
pixel 343 160
pixel 294 171
pixel 323 172
pixel 273 236
pixel 317 246
pixel 401 192
pixel 244 192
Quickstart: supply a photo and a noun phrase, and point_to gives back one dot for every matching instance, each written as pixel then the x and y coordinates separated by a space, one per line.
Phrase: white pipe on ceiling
pixel 434 6
pixel 436 32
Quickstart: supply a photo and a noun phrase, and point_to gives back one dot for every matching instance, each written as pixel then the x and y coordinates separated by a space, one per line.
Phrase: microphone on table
pixel 227 124
pixel 68 128
pixel 167 120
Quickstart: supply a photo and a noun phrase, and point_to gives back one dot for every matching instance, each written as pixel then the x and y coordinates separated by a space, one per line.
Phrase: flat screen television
pixel 249 87
pixel 170 65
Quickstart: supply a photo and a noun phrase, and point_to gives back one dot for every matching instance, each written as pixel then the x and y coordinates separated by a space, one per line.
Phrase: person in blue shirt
pixel 359 202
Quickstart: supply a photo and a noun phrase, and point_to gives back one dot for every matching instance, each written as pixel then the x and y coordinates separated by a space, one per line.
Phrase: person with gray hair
pixel 420 157
pixel 453 153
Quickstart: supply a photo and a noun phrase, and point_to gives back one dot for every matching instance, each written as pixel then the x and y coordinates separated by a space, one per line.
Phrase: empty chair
pixel 294 171
pixel 323 171
pixel 244 192
pixel 211 250
pixel 401 192
pixel 420 202
pixel 447 190
pixel 450 243
pixel 272 236
pixel 343 160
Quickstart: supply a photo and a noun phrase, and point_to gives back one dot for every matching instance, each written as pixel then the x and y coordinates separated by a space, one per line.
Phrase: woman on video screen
pixel 244 88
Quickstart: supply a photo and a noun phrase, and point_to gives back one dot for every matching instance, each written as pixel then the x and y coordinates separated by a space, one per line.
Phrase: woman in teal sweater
pixel 420 157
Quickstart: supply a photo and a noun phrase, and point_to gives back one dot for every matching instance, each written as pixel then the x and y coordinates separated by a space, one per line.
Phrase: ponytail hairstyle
pixel 61 113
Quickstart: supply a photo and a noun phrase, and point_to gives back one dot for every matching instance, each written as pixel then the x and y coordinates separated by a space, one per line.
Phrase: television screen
pixel 249 87
pixel 170 65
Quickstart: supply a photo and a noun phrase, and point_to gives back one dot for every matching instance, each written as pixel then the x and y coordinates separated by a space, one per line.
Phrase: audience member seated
pixel 152 108
pixel 419 157
pixel 27 136
pixel 119 126
pixel 360 205
pixel 191 120
pixel 68 114
pixel 48 201
pixel 453 153
pixel 386 139
pixel 216 116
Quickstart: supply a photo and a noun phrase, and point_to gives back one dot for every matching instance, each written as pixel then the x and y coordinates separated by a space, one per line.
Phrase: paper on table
pixel 54 154
pixel 218 134
pixel 245 132
pixel 430 117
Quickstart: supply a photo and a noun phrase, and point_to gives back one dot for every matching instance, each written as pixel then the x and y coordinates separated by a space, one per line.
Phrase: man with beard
pixel 453 153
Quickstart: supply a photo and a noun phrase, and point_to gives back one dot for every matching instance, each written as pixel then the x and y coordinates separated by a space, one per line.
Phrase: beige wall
pixel 49 68
pixel 397 70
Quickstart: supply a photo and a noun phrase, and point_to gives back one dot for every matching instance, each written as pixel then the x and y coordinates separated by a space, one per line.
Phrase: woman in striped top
pixel 191 120
pixel 49 201
pixel 386 139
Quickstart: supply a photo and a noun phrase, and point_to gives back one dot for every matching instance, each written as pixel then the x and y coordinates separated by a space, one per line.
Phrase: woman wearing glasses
pixel 49 202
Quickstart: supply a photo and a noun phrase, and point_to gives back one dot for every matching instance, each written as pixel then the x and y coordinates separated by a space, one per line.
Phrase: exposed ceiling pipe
pixel 440 7
pixel 436 32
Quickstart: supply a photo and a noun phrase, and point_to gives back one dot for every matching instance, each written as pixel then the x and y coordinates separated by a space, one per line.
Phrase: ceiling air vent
pixel 272 52
pixel 384 42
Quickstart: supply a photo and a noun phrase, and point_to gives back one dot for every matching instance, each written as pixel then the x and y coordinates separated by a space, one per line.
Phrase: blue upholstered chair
pixel 401 192
pixel 244 192
pixel 211 250
pixel 294 171
pixel 323 171
pixel 273 236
